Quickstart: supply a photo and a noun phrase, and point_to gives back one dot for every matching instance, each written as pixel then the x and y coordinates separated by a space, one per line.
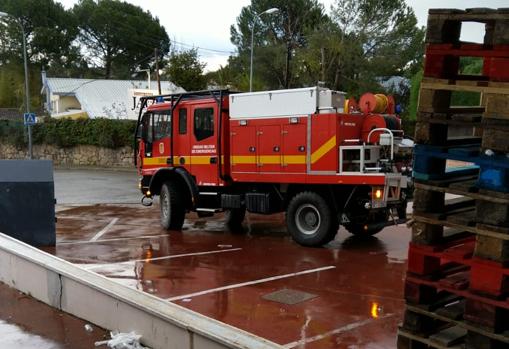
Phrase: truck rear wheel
pixel 172 208
pixel 310 220
pixel 234 217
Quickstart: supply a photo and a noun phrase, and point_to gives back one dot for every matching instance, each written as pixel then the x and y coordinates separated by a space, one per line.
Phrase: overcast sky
pixel 206 24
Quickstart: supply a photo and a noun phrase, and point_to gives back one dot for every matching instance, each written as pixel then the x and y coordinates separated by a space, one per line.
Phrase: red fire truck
pixel 296 151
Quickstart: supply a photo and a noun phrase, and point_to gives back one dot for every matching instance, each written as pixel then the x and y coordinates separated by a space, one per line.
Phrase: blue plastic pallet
pixel 429 162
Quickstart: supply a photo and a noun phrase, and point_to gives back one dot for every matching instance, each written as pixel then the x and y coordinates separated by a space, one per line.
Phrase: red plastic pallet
pixel 439 262
pixel 442 61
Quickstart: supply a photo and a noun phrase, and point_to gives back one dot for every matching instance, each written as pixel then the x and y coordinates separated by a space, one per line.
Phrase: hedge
pixel 67 133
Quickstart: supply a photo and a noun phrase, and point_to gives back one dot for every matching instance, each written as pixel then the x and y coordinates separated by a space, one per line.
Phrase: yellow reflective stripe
pixel 242 159
pixel 294 159
pixel 155 161
pixel 189 160
pixel 269 159
pixel 198 160
pixel 250 159
pixel 324 149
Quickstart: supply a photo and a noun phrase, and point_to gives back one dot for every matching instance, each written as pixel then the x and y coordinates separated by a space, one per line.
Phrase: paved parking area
pixel 29 324
pixel 347 295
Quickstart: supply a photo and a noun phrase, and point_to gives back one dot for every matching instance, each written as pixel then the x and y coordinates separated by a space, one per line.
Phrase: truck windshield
pixel 162 125
pixel 155 126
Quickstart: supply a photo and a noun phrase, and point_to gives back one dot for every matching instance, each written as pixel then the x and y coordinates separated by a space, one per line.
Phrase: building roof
pixel 104 98
pixel 396 84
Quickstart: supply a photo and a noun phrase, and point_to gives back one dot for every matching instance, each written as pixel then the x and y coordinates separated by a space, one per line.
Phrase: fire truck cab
pixel 296 151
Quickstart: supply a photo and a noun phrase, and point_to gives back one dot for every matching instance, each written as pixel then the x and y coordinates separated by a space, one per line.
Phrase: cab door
pixel 162 134
pixel 182 143
pixel 156 128
pixel 204 159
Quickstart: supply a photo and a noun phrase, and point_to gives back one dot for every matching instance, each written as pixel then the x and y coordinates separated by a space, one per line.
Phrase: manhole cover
pixel 287 296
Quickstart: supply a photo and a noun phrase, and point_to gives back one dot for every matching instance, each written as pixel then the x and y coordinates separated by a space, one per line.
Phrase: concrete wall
pixel 82 155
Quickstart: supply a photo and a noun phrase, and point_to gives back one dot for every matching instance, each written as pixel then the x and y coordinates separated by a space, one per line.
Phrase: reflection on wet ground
pixel 357 283
pixel 29 324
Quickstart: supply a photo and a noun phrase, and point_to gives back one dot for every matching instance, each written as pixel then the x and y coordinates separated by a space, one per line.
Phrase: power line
pixel 202 48
pixel 156 43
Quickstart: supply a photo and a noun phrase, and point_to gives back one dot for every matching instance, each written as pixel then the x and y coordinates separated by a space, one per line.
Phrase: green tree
pixel 415 85
pixel 49 31
pixel 186 70
pixel 376 38
pixel 277 37
pixel 119 37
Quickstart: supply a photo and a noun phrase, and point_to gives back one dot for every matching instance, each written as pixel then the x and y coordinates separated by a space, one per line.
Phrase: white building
pixel 95 98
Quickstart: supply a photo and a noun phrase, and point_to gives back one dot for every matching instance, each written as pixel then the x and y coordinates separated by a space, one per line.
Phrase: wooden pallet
pixel 496 134
pixel 453 287
pixel 464 186
pixel 463 222
pixel 430 85
pixel 444 25
pixel 448 330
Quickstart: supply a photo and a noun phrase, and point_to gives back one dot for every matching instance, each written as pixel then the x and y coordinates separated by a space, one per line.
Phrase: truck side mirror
pixel 145 128
pixel 141 131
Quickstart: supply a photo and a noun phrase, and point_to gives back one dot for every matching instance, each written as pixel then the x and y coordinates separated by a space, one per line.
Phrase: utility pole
pixel 27 93
pixel 156 54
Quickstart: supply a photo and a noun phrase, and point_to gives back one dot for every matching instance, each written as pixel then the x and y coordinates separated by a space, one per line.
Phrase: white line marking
pixel 104 230
pixel 166 257
pixel 301 343
pixel 254 282
pixel 108 240
pixel 189 254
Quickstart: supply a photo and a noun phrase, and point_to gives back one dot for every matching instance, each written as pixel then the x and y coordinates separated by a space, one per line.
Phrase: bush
pixel 12 132
pixel 67 133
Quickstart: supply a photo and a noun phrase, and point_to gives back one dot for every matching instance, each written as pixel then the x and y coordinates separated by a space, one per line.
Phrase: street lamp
pixel 256 18
pixel 27 94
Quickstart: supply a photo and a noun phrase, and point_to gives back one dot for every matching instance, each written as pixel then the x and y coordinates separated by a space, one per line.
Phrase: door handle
pixel 213 160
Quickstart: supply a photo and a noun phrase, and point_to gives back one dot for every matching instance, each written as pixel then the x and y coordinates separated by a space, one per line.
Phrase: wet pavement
pixel 89 186
pixel 353 288
pixel 29 324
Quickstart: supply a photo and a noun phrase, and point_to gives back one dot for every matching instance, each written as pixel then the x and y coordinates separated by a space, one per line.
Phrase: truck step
pixel 213 210
pixel 208 193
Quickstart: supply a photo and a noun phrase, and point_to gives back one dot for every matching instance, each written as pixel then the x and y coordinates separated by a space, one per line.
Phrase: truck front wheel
pixel 310 220
pixel 172 208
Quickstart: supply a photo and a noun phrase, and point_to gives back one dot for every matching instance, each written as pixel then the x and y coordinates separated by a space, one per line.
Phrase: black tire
pixel 234 217
pixel 401 210
pixel 359 227
pixel 310 219
pixel 172 209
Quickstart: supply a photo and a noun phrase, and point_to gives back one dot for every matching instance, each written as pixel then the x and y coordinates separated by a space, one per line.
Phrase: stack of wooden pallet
pixel 457 285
